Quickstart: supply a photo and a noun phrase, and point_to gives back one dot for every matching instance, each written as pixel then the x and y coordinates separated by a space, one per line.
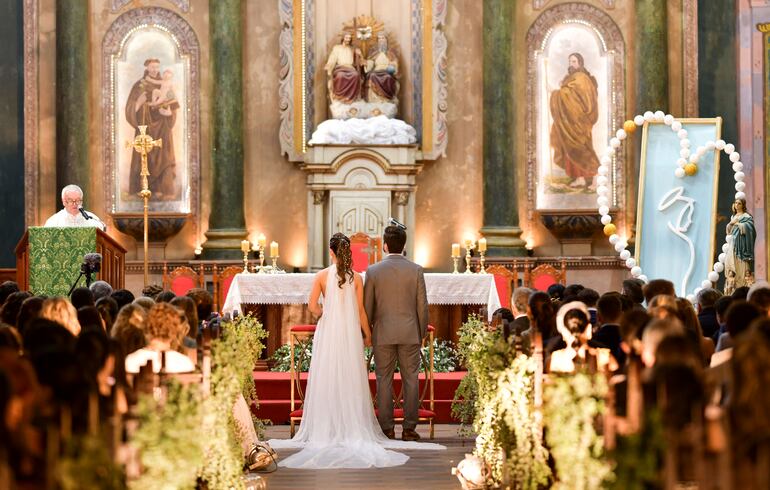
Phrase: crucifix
pixel 144 144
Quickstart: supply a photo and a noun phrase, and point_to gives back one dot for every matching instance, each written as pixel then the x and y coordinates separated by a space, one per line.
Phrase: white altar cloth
pixel 294 289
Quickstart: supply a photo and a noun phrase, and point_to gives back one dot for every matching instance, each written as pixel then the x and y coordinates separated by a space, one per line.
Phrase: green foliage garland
pixel 638 457
pixel 571 405
pixel 87 465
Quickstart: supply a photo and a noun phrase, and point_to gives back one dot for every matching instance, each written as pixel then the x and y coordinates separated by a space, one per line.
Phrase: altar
pixel 280 300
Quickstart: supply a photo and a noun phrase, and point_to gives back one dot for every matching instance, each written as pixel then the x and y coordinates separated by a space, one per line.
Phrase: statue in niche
pixel 381 73
pixel 739 260
pixel 575 111
pixel 344 70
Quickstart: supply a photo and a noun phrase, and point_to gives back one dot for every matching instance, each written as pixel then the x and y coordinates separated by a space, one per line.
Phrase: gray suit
pixel 397 308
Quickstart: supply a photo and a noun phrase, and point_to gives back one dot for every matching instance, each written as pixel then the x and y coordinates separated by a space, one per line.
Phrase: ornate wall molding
pixel 113 43
pixel 690 54
pixel 31 115
pixel 538 4
pixel 612 39
pixel 183 5
pixel 438 137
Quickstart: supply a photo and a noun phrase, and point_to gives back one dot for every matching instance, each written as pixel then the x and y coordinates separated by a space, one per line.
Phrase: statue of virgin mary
pixel 739 260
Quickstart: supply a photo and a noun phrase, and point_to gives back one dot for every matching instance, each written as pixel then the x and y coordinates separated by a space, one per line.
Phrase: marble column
pixel 501 219
pixel 73 79
pixel 227 222
pixel 652 56
pixel 317 243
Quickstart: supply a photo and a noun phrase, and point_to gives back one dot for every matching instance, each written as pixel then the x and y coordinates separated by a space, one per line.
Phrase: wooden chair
pixel 426 412
pixel 505 281
pixel 182 279
pixel 298 334
pixel 545 275
pixel 366 250
pixel 222 282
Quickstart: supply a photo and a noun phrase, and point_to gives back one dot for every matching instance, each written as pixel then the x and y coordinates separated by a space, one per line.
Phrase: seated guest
pixel 571 292
pixel 657 287
pixel 144 302
pixel 633 290
pixel 542 316
pixel 720 307
pixel 556 292
pixel 71 215
pixel 741 292
pixel 589 297
pixel 30 310
pixel 187 305
pixel 122 297
pixel 129 327
pixel 707 313
pixel 151 291
pixel 739 316
pixel 609 311
pixel 204 303
pixel 653 335
pixel 6 288
pixel 10 338
pixel 760 297
pixel 165 296
pixel 501 319
pixel 61 311
pixel 81 297
pixel 164 330
pixel 9 313
pixel 108 309
pixel 90 319
pixel 519 302
pixel 100 289
pixel 689 318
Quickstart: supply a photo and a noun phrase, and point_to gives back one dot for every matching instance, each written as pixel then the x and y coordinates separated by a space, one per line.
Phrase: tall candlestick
pixel 469 245
pixel 455 250
pixel 262 240
pixel 273 249
pixel 245 247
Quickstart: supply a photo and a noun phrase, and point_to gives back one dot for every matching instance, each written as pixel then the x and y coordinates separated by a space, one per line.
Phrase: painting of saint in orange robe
pixel 574 109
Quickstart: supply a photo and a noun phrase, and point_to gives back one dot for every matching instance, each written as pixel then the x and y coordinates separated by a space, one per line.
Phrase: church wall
pixel 11 130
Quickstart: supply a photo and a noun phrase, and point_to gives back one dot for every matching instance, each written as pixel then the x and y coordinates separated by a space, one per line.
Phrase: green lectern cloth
pixel 55 256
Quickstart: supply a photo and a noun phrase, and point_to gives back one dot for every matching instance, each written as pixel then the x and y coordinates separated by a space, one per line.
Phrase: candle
pixel 262 241
pixel 468 243
pixel 273 249
pixel 245 246
pixel 455 250
pixel 483 245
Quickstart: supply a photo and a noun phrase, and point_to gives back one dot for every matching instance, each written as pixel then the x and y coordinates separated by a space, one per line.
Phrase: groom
pixel 397 307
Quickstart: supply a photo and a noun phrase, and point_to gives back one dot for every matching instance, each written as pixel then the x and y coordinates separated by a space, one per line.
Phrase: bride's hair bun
pixel 340 245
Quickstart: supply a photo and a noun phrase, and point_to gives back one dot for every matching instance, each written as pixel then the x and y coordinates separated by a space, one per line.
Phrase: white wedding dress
pixel 338 427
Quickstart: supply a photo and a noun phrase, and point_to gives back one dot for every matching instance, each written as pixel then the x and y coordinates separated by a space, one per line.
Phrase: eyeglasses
pixel 67 202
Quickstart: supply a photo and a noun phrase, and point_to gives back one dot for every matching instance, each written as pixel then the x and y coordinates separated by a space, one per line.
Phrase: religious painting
pixel 151 91
pixel 575 84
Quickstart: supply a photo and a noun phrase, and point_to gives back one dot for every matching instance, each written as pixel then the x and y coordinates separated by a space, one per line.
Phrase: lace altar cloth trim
pixel 288 289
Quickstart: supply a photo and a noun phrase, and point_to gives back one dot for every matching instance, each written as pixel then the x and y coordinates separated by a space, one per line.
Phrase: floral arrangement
pixel 571 405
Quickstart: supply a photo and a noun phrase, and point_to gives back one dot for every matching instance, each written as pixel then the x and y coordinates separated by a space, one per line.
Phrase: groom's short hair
pixel 395 238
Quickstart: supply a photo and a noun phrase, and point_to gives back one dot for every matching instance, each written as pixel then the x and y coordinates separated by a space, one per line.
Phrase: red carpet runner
pixel 273 391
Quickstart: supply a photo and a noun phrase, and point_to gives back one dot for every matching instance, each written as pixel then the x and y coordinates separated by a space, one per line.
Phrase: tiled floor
pixel 424 470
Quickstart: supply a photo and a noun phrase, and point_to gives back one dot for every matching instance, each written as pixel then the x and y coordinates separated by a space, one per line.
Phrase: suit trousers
pixel 408 356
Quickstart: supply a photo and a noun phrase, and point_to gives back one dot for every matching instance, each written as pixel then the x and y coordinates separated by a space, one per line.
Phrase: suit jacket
pixel 708 321
pixel 516 327
pixel 395 301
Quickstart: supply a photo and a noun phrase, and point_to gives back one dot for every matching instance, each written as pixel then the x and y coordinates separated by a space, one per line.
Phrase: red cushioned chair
pixel 426 413
pixel 182 279
pixel 545 275
pixel 505 280
pixel 297 334
pixel 366 250
pixel 222 282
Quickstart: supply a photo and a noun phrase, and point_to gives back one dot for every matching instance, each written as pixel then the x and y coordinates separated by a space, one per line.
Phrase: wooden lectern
pixel 59 254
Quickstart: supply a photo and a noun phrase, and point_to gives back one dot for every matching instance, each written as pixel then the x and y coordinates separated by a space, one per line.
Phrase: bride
pixel 338 427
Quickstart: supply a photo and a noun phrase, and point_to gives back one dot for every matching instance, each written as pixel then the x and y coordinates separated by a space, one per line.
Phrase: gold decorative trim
pixel 690 56
pixel 427 78
pixel 31 112
pixel 298 65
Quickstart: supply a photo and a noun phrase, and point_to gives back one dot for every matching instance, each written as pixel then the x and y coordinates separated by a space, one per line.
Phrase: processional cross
pixel 144 144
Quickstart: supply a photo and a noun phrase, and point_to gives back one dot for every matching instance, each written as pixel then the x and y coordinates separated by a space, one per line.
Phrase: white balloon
pixel 720 144
pixel 739 186
pixel 606 219
pixel 684 143
pixel 603 170
pixel 602 201
pixel 621 134
pixel 602 180
pixel 706 284
pixel 614 239
pixel 636 271
pixel 737 166
pixel 668 119
pixel 691 298
pixel 729 148
pixel 649 116
pixel 739 176
pixel 681 162
pixel 630 262
pixel 625 254
pixel 713 276
pixel 643 278
pixel 603 190
pixel 679 173
pixel 676 126
pixel 604 210
pixel 719 267
pixel 725 248
pixel 684 152
pixel 722 257
pixel 740 195
pixel 605 160
pixel 735 156
pixel 639 120
pixel 682 133
pixel 710 145
pixel 610 152
pixel 620 246
pixel 659 115
pixel 614 142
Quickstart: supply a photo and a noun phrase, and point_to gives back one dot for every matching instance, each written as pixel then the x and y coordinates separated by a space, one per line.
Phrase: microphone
pixel 92 262
pixel 83 212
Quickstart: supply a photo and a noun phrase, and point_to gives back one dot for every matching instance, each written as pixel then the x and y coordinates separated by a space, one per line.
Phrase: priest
pixel 73 213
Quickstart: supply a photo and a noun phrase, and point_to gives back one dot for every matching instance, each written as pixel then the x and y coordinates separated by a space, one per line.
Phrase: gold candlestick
pixel 469 245
pixel 245 248
pixel 261 251
pixel 481 261
pixel 456 260
pixel 275 265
